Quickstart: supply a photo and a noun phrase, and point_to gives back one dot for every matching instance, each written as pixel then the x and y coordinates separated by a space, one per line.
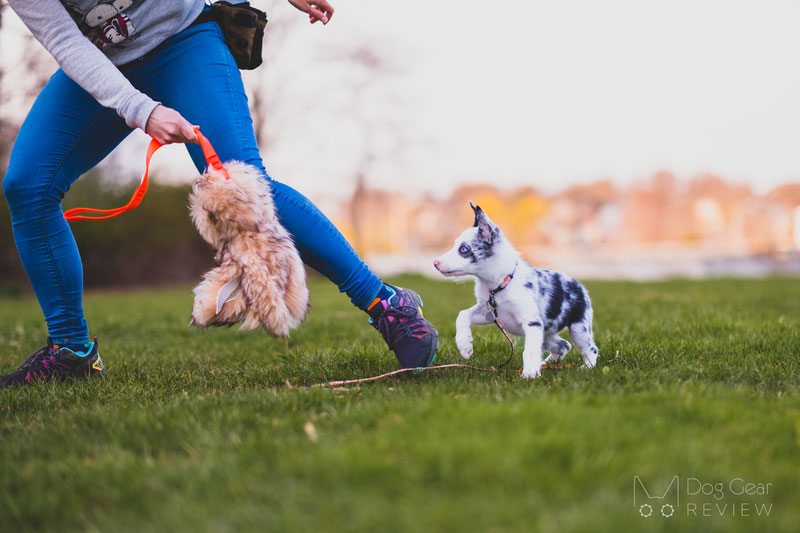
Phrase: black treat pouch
pixel 243 27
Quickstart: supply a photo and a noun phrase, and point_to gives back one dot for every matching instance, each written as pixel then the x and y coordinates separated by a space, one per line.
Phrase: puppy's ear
pixel 478 212
pixel 486 228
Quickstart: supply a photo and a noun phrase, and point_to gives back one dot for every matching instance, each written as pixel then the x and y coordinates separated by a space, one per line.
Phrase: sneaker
pixel 55 363
pixel 399 320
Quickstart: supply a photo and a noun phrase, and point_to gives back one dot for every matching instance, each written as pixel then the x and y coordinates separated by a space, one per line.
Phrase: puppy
pixel 260 279
pixel 532 302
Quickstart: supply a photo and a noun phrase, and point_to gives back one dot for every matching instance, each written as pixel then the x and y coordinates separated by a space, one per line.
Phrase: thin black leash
pixel 491 304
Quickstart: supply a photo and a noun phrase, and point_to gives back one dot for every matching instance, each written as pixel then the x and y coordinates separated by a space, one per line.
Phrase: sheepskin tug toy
pixel 259 279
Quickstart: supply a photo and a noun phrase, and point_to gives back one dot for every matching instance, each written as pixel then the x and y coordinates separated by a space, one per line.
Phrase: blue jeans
pixel 67 133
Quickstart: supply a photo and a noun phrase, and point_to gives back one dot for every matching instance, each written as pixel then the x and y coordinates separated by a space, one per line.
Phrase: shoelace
pixel 44 367
pixel 45 363
pixel 36 357
pixel 393 335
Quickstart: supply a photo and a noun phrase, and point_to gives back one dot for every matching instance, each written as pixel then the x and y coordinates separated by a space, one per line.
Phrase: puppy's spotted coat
pixel 536 303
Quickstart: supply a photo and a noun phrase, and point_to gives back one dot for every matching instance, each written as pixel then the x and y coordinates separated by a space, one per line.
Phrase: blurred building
pixel 656 227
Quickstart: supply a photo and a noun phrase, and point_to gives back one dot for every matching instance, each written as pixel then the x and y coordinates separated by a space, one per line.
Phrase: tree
pixel 5 124
pixel 372 107
pixel 268 93
pixel 352 86
pixel 20 83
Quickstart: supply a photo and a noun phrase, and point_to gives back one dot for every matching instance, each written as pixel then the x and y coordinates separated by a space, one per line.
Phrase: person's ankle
pixel 374 309
pixel 80 348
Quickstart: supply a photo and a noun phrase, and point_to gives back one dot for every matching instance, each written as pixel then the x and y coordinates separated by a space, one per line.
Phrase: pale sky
pixel 542 93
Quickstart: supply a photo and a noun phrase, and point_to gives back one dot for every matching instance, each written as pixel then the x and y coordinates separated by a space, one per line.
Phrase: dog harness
pixel 491 304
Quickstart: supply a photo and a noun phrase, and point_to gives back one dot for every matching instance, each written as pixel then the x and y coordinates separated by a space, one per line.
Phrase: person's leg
pixel 214 98
pixel 197 76
pixel 65 134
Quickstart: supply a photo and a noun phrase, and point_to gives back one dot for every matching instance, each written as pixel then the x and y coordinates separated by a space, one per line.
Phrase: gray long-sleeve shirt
pixel 89 39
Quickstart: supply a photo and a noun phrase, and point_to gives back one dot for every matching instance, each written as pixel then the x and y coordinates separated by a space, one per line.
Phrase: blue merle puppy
pixel 533 302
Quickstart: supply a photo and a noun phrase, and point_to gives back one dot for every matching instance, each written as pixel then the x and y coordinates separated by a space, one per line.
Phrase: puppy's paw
pixel 552 358
pixel 464 345
pixel 590 357
pixel 529 373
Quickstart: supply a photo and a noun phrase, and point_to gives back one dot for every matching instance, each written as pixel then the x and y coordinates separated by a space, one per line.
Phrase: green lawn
pixel 197 430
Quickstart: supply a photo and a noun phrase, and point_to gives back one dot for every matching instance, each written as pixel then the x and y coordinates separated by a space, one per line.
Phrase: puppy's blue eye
pixel 464 251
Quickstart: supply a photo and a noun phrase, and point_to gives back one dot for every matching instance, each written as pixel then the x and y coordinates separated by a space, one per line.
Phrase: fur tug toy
pixel 260 279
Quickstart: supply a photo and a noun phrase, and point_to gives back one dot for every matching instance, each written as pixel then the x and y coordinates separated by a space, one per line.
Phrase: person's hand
pixel 168 126
pixel 316 9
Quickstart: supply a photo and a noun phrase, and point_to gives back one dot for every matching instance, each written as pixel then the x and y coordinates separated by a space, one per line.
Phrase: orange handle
pixel 208 152
pixel 211 156
pixel 136 199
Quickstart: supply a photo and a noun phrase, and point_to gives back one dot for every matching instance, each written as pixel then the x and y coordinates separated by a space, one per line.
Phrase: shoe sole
pixel 430 363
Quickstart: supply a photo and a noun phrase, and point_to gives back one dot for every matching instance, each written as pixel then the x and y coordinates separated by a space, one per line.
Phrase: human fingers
pixel 168 126
pixel 325 7
pixel 188 132
pixel 321 11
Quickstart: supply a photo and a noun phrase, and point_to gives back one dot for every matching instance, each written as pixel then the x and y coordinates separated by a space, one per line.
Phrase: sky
pixel 534 93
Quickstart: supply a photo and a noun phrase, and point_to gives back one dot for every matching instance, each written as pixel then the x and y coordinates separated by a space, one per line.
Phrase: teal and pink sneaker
pixel 54 362
pixel 398 318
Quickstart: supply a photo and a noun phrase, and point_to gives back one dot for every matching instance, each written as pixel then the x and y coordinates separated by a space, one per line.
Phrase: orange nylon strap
pixel 136 199
pixel 211 156
pixel 208 152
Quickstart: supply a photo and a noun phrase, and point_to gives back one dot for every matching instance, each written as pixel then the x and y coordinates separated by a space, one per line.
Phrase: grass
pixel 197 430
